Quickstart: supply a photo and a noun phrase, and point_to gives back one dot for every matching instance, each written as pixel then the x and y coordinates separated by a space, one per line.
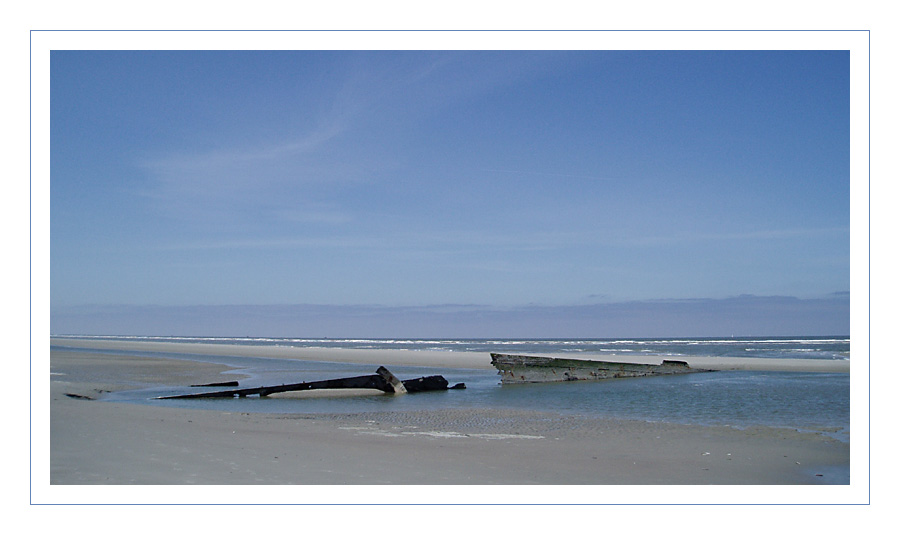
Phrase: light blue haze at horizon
pixel 426 178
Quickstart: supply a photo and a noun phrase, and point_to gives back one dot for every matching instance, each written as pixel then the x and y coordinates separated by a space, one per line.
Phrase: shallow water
pixel 807 401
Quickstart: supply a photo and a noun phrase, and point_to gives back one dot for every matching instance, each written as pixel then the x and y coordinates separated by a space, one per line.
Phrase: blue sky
pixel 406 184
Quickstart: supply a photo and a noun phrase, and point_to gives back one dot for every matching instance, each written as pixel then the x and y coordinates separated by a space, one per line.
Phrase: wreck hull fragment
pixel 528 369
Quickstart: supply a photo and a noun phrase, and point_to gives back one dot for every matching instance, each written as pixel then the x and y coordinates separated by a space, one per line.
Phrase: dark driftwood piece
pixel 425 384
pixel 383 380
pixel 225 383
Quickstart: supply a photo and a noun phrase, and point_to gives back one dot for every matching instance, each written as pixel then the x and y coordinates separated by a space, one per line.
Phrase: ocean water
pixel 817 347
pixel 817 402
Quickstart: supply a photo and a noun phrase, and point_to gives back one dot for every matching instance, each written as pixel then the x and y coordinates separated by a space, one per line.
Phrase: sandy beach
pixel 443 359
pixel 93 442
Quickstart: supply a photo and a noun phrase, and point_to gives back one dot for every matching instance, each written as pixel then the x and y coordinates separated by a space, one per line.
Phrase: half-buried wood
pixel 382 382
pixel 528 369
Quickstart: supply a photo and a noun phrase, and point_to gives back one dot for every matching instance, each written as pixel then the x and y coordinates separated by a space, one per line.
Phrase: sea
pixel 806 401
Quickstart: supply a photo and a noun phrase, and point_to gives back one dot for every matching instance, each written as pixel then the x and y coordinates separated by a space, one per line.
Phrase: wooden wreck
pixel 383 380
pixel 528 369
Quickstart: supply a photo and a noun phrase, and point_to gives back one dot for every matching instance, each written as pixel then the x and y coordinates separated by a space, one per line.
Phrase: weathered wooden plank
pixel 383 380
pixel 224 383
pixel 396 385
pixel 366 381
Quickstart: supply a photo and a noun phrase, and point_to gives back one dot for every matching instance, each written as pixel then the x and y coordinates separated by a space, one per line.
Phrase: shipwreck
pixel 528 369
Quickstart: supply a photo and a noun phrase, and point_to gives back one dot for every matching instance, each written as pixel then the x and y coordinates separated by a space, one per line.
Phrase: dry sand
pixel 96 442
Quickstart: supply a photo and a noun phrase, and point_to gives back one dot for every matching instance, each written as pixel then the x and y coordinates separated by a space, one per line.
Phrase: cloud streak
pixel 764 235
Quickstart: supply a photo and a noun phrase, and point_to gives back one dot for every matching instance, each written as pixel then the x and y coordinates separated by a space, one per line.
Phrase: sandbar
pixel 443 359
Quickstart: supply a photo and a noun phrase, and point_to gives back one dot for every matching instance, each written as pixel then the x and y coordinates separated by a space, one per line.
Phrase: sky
pixel 460 193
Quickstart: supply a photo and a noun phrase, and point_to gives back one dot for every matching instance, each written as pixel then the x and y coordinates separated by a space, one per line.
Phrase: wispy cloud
pixel 408 243
pixel 767 234
pixel 550 174
pixel 230 171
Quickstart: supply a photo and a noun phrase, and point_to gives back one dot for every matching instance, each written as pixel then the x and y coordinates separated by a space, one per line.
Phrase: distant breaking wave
pixel 762 347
